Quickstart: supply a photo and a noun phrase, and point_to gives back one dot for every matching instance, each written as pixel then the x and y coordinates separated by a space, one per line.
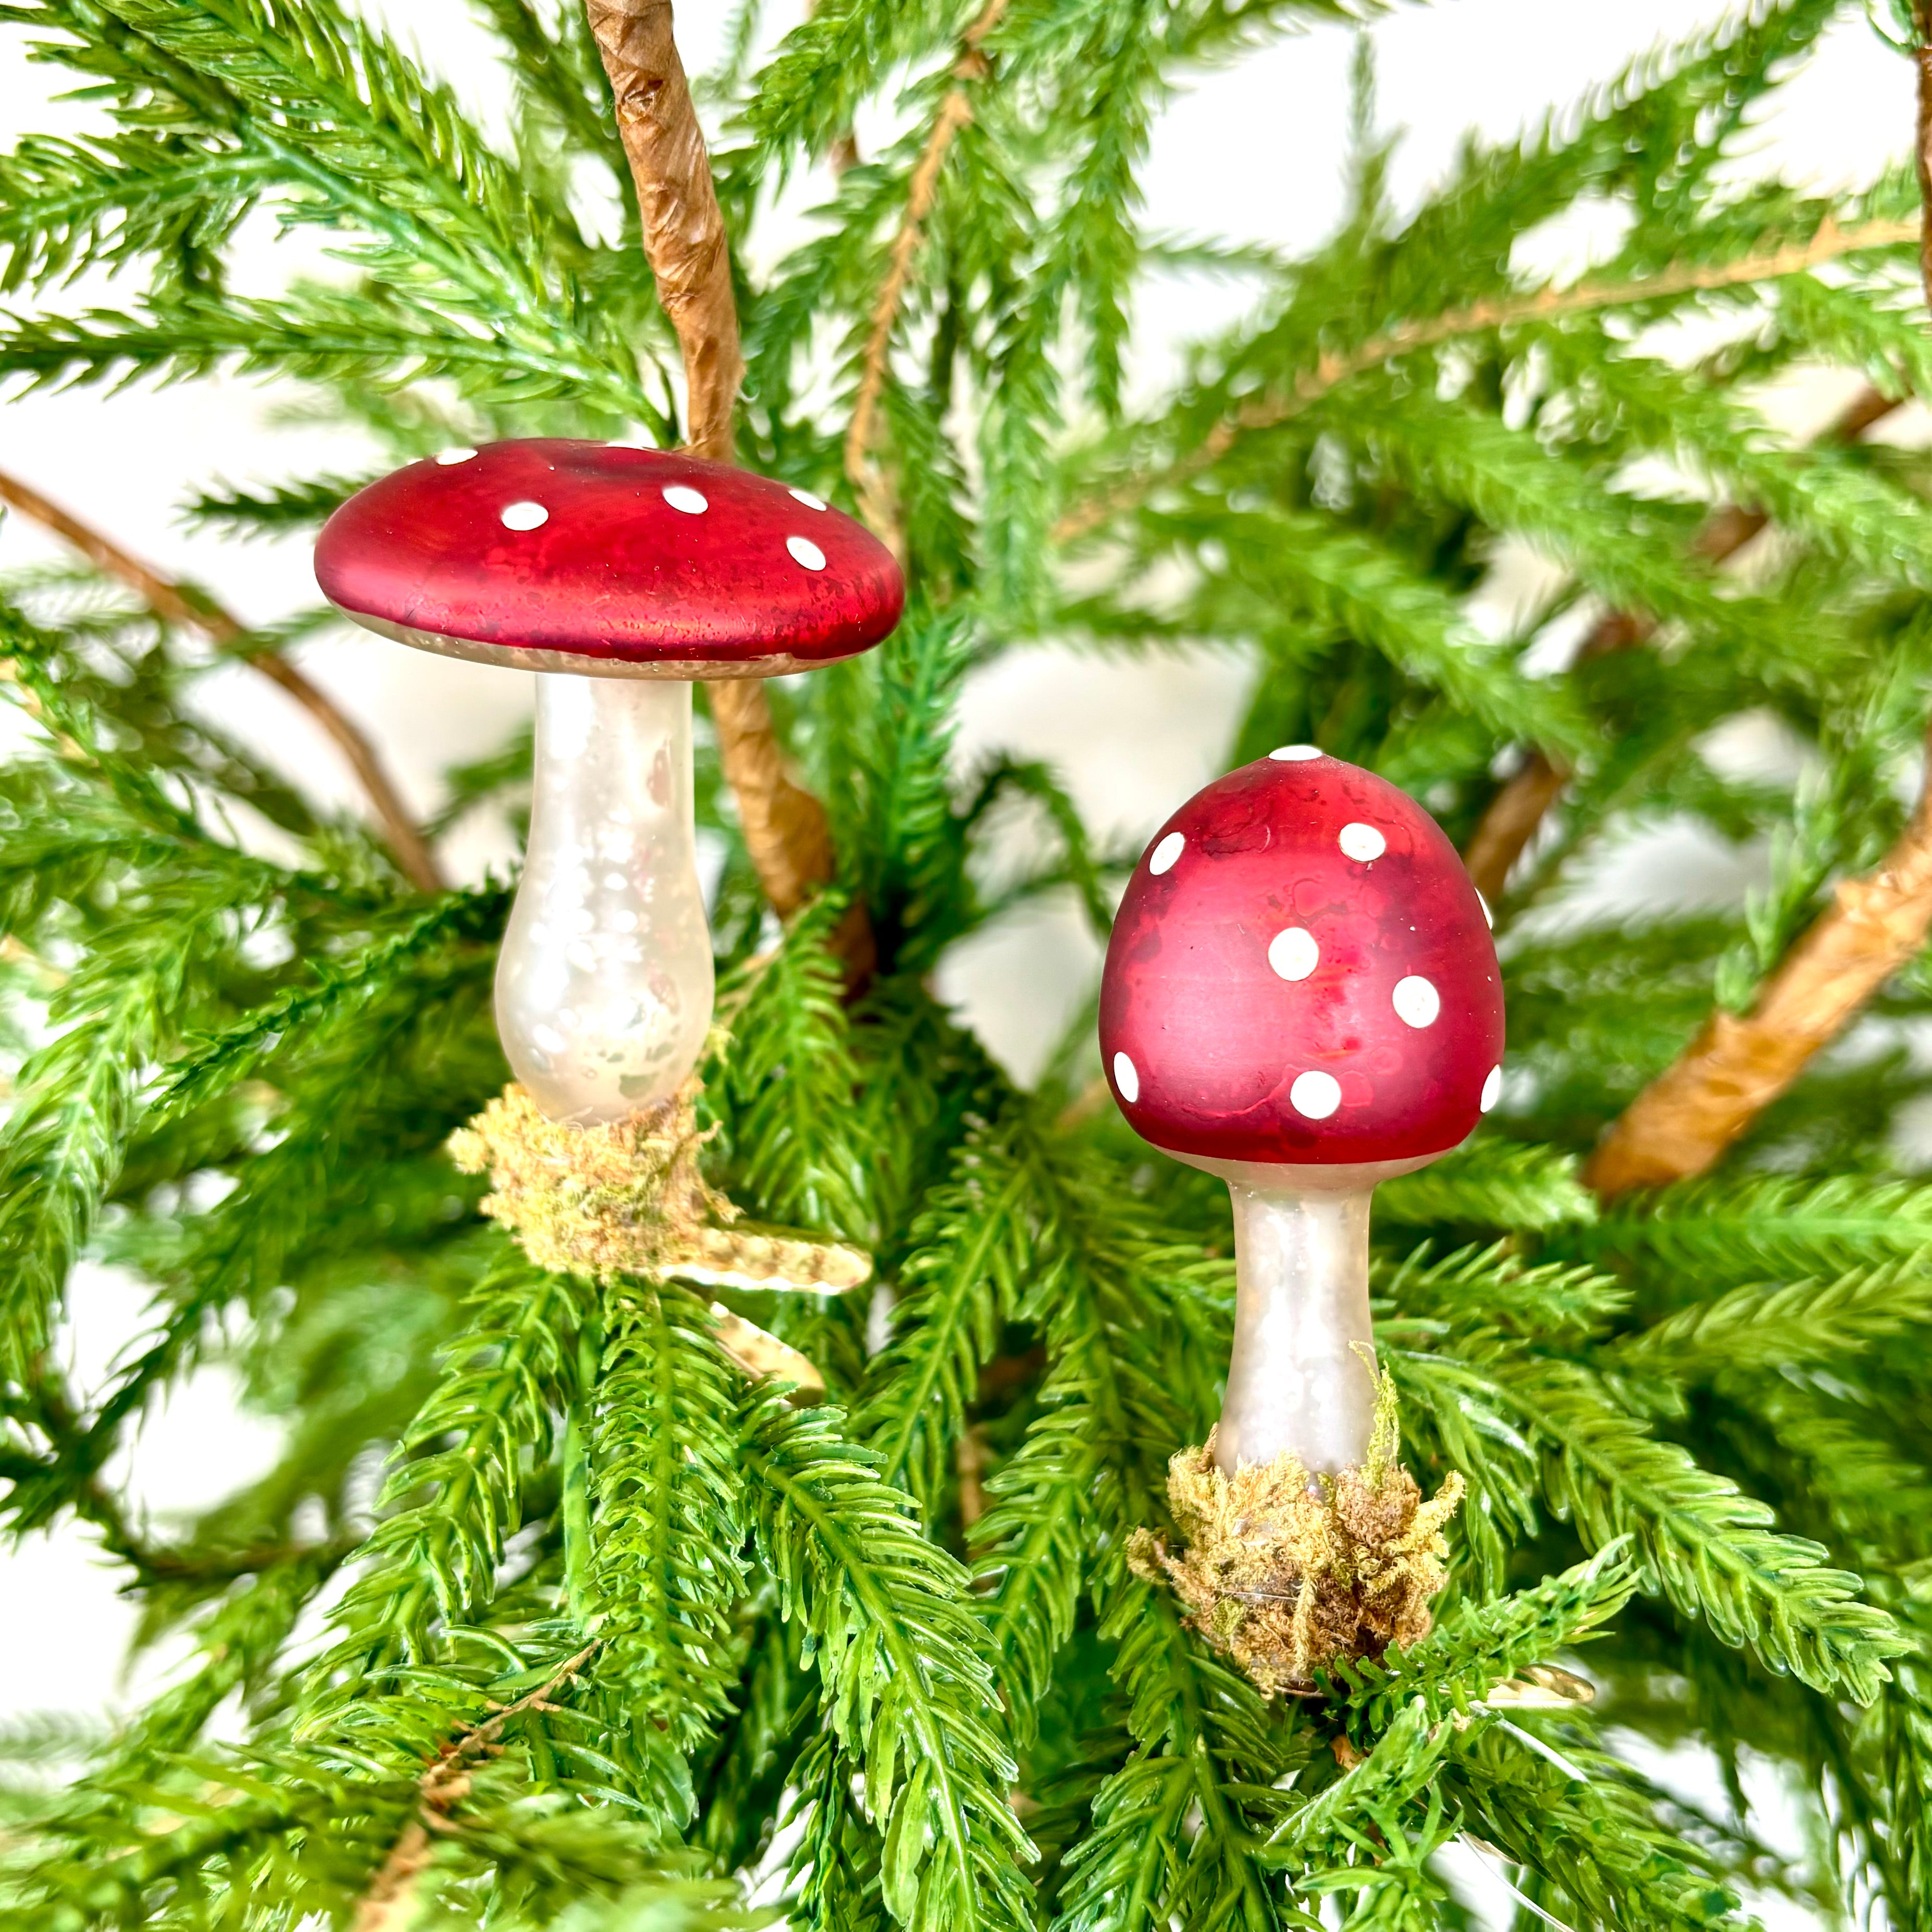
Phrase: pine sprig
pixel 789 1079
pixel 1366 1803
pixel 338 995
pixel 1349 582
pixel 65 205
pixel 960 1284
pixel 1706 1546
pixel 1768 1224
pixel 1203 1746
pixel 1490 1183
pixel 457 1486
pixel 665 1567
pixel 1800 1323
pixel 1090 1469
pixel 906 1689
pixel 1584 1841
pixel 1478 1647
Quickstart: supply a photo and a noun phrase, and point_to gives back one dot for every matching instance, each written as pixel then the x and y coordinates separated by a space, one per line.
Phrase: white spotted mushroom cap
pixel 1301 973
pixel 557 554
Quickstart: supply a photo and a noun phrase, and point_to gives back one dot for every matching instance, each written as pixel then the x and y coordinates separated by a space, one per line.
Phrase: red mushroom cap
pixel 562 555
pixel 1301 973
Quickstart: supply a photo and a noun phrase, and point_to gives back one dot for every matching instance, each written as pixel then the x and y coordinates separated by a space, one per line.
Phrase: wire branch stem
pixel 955 112
pixel 1738 1065
pixel 1513 815
pixel 785 829
pixel 175 605
pixel 1269 408
pixel 390 1903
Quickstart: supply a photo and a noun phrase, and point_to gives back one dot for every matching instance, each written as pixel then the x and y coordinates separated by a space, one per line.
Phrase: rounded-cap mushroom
pixel 1301 996
pixel 621 574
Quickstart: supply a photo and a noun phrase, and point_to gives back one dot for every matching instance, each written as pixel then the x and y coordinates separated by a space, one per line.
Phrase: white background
pixel 1253 154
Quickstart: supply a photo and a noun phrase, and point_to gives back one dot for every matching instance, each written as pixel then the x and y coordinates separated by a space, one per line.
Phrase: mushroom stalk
pixel 1300 1379
pixel 605 981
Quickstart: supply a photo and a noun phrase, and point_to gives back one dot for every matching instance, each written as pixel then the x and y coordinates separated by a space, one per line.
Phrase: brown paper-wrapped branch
pixel 1519 808
pixel 173 605
pixel 786 832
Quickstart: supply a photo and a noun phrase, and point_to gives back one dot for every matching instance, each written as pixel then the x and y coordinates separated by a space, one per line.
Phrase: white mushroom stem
pixel 604 982
pixel 1300 1378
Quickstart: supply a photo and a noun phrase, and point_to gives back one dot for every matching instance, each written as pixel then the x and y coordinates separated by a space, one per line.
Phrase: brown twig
pixel 785 828
pixel 390 1903
pixel 1269 410
pixel 1681 1123
pixel 1512 816
pixel 955 112
pixel 175 605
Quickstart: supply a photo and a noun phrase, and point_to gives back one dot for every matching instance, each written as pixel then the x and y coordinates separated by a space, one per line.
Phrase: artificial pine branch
pixel 1738 1065
pixel 197 611
pixel 1830 243
pixel 390 1903
pixel 1511 819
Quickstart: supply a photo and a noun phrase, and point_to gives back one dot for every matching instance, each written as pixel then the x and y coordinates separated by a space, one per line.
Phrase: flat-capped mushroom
pixel 620 574
pixel 1301 996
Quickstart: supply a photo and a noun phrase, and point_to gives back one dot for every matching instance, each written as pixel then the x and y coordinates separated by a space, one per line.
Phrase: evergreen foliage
pixel 620 1638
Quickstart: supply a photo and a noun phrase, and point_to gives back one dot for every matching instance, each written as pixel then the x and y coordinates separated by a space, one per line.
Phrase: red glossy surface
pixel 1217 1037
pixel 614 571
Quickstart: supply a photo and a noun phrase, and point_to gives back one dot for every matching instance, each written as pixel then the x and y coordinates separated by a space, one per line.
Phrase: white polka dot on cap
pixel 1492 1089
pixel 1417 1002
pixel 1295 755
pixel 447 457
pixel 1293 953
pixel 1161 858
pixel 805 497
pixel 524 516
pixel 1361 842
pixel 1316 1096
pixel 1126 1077
pixel 682 496
pixel 805 551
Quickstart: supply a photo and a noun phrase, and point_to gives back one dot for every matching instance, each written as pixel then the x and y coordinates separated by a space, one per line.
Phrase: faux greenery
pixel 615 1634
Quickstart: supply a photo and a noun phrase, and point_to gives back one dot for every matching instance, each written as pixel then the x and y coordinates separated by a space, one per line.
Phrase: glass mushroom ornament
pixel 1301 996
pixel 620 575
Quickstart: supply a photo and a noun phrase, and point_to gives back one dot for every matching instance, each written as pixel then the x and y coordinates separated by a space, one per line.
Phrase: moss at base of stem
pixel 628 1197
pixel 1285 1572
